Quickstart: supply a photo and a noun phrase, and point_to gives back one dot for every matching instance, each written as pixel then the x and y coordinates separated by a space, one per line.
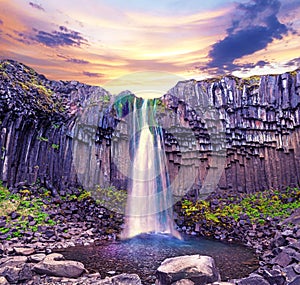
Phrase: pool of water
pixel 143 254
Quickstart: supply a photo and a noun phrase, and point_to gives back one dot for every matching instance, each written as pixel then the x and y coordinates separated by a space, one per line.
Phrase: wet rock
pixel 197 268
pixel 54 265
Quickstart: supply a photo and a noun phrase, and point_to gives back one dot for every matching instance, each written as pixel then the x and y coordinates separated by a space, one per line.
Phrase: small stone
pixel 3 281
pixel 183 282
pixel 253 280
pixel 14 215
pixel 37 257
pixel 126 279
pixel 287 233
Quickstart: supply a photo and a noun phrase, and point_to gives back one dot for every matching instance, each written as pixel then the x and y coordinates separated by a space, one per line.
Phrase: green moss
pixel 258 207
pixel 111 198
pixel 25 205
pixel 43 139
pixel 55 146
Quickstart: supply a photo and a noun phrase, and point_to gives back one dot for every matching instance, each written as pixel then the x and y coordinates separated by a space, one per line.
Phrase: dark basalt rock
pixel 247 127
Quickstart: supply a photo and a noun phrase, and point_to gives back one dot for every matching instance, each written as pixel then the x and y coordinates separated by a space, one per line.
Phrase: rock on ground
pixel 197 268
pixel 54 265
pixel 3 281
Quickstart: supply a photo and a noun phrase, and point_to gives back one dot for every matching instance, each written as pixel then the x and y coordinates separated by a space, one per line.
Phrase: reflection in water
pixel 143 254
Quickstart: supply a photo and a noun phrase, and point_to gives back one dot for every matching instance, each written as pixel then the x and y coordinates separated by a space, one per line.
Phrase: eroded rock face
pixel 225 133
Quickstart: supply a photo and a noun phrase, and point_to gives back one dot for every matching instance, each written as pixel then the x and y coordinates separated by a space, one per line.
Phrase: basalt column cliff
pixel 241 133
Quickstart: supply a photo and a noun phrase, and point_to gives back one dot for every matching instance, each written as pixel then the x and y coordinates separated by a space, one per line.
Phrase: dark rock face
pixel 259 130
pixel 228 133
pixel 36 121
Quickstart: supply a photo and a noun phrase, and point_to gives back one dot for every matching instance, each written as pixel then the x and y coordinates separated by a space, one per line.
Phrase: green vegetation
pixel 27 208
pixel 110 198
pixel 258 207
pixel 43 139
pixel 105 98
pixel 55 146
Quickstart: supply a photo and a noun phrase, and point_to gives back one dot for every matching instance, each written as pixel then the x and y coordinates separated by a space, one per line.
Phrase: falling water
pixel 149 202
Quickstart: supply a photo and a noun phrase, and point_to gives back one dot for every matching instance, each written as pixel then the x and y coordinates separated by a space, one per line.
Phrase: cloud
pixel 255 25
pixel 73 60
pixel 293 62
pixel 1 22
pixel 63 37
pixel 92 74
pixel 36 6
pixel 260 63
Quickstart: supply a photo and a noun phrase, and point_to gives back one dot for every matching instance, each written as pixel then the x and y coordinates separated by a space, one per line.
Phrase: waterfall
pixel 149 202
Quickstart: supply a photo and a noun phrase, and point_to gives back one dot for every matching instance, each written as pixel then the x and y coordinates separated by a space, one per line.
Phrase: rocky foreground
pixel 30 258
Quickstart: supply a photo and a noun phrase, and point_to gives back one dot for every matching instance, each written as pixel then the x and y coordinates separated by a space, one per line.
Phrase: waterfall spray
pixel 149 202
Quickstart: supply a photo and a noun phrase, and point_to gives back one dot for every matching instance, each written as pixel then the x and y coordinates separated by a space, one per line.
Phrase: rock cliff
pixel 226 133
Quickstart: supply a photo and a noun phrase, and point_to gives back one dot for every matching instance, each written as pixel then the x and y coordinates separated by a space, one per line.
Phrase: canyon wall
pixel 226 133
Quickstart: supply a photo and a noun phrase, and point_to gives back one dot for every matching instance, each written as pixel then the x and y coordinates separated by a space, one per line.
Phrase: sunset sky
pixel 96 41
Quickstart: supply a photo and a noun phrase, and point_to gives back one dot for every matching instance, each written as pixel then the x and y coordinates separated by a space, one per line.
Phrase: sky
pixel 99 41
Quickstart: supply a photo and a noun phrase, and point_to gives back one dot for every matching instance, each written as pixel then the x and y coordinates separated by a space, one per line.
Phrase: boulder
pixel 197 268
pixel 54 265
pixel 17 273
pixel 24 250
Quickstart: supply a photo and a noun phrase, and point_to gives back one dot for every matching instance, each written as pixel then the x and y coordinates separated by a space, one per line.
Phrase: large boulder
pixel 197 268
pixel 54 265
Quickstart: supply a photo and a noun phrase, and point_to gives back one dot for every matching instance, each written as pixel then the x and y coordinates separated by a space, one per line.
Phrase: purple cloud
pixel 73 60
pixel 254 27
pixel 36 6
pixel 1 22
pixel 63 37
pixel 92 74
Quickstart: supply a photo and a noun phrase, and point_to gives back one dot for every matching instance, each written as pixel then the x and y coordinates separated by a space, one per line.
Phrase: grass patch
pixel 27 208
pixel 258 207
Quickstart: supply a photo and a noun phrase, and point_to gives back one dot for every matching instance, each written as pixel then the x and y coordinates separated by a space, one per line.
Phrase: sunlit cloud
pixel 36 6
pixel 104 40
